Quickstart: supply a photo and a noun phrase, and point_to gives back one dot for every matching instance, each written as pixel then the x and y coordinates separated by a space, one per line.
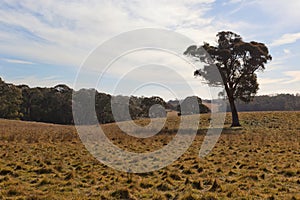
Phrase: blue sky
pixel 44 43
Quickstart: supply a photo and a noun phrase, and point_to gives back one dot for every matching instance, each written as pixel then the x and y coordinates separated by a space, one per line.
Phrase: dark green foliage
pixel 54 105
pixel 186 107
pixel 103 108
pixel 10 101
pixel 280 102
pixel 236 61
pixel 47 104
pixel 84 105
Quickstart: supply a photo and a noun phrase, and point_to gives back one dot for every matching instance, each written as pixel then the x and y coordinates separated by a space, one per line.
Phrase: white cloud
pixel 288 38
pixel 18 61
pixel 286 51
pixel 285 13
pixel 286 84
pixel 34 81
pixel 294 76
pixel 59 32
pixel 234 1
pixel 277 63
pixel 267 81
pixel 64 32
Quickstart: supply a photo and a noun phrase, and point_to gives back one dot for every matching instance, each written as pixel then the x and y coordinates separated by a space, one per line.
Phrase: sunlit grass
pixel 260 161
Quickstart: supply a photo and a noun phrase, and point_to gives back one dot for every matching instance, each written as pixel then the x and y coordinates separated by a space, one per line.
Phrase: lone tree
pixel 237 61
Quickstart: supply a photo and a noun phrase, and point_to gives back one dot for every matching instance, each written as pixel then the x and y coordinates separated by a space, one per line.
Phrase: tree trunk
pixel 234 113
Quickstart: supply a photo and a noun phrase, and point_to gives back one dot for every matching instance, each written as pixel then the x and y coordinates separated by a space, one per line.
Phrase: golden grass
pixel 260 161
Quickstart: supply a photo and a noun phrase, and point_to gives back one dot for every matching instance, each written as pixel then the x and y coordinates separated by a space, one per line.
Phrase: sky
pixel 45 43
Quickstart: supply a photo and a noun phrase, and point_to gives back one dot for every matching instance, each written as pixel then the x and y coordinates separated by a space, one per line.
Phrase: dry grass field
pixel 260 161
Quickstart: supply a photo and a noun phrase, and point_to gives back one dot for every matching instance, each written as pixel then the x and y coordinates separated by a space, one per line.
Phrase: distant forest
pixel 54 105
pixel 279 102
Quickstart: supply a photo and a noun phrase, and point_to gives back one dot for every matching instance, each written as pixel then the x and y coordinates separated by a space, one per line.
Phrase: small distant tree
pixel 237 61
pixel 148 102
pixel 186 107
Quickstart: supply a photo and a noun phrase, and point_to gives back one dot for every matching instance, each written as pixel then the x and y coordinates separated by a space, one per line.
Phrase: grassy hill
pixel 260 161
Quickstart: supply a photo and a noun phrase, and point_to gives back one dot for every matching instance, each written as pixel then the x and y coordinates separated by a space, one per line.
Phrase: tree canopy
pixel 236 61
pixel 10 101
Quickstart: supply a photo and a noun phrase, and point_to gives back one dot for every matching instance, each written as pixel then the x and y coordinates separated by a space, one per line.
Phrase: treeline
pixel 186 106
pixel 54 105
pixel 279 102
